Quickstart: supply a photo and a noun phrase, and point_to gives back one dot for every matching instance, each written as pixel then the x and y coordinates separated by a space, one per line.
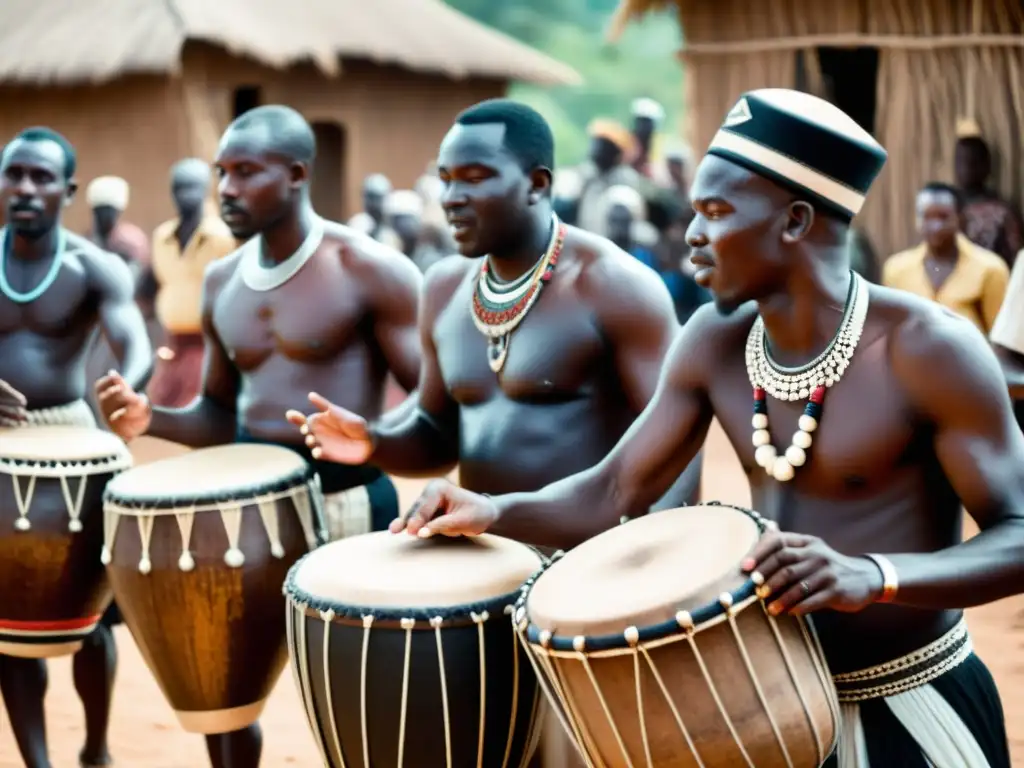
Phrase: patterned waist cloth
pixel 917 668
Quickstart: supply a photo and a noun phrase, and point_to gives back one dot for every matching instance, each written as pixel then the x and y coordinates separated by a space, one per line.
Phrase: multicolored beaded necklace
pixel 499 308
pixel 810 381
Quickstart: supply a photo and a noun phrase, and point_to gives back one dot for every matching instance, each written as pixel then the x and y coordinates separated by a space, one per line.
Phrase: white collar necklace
pixel 260 278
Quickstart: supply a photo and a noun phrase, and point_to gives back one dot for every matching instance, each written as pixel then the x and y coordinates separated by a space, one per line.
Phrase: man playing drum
pixel 305 304
pixel 516 405
pixel 854 448
pixel 518 402
pixel 56 290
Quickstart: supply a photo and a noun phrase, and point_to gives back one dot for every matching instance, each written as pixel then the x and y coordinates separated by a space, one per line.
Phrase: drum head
pixel 41 444
pixel 209 474
pixel 395 571
pixel 642 573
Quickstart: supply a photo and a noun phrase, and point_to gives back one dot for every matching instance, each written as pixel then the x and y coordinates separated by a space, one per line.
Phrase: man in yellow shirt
pixel 947 267
pixel 182 248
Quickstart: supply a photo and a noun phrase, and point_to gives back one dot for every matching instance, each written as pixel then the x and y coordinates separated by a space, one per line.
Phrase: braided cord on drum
pixel 692 640
pixel 773 623
pixel 24 502
pixel 672 706
pixel 367 623
pixel 604 706
pixel 328 618
pixel 640 707
pixel 515 690
pixel 758 688
pixel 824 676
pixel 297 641
pixel 407 625
pixel 74 504
pixel 436 623
pixel 570 719
pixel 479 619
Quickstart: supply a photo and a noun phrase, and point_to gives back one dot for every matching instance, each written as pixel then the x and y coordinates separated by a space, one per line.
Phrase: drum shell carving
pixel 211 634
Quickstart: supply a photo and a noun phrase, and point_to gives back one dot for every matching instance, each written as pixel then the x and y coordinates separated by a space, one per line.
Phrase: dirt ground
pixel 144 733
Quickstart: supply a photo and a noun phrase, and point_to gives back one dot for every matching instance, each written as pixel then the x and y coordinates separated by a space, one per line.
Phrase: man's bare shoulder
pixel 371 259
pixel 606 272
pixel 925 338
pixel 105 270
pixel 444 276
pixel 218 272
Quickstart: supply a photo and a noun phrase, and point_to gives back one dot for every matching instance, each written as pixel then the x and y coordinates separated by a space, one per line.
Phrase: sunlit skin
pixel 894 457
pixel 581 366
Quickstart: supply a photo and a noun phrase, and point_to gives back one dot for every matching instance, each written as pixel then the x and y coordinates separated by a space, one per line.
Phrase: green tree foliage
pixel 642 63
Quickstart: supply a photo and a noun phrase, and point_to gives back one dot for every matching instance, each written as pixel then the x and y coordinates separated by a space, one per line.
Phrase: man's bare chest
pixel 65 308
pixel 556 352
pixel 304 319
pixel 865 433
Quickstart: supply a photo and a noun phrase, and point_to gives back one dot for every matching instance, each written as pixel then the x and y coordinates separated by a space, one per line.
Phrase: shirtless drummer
pixel 882 463
pixel 56 290
pixel 305 304
pixel 540 347
pixel 553 392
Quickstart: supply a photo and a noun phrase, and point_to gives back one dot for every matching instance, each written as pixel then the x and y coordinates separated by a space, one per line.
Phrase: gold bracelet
pixel 890 579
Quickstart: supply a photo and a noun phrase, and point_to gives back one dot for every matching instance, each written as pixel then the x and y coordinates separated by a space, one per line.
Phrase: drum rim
pixel 293 479
pixel 433 616
pixel 684 621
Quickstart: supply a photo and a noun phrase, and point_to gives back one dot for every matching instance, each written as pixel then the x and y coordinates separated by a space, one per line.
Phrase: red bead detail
pixel 759 394
pixel 818 395
pixel 499 317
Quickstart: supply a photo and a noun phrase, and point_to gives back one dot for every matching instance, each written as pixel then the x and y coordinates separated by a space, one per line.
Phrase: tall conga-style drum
pixel 53 589
pixel 656 651
pixel 404 652
pixel 197 547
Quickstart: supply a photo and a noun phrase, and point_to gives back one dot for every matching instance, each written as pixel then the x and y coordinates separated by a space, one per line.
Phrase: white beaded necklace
pixel 811 381
pixel 261 278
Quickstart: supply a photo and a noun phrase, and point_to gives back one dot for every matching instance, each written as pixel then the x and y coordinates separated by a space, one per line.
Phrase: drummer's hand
pixel 12 404
pixel 334 434
pixel 444 508
pixel 125 411
pixel 802 574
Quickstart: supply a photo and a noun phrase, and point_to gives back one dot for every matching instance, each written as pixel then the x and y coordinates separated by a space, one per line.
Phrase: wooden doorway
pixel 851 82
pixel 328 183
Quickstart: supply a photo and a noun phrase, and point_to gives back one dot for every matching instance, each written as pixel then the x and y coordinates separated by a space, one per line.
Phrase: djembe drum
pixel 656 651
pixel 197 547
pixel 51 532
pixel 404 653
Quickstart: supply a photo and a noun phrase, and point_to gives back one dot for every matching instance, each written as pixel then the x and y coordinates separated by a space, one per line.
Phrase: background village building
pixel 136 85
pixel 908 70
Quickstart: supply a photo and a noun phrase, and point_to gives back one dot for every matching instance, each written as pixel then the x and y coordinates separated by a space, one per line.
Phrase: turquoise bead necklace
pixel 51 276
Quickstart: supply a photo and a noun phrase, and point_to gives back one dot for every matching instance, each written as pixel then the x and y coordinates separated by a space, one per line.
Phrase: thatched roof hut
pixel 908 70
pixel 138 84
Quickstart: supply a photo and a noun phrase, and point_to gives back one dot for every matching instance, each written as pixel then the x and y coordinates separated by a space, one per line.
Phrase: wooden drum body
pixel 655 650
pixel 405 655
pixel 54 589
pixel 197 547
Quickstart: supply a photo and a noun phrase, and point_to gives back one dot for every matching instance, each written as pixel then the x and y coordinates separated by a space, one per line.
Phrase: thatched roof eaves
pixel 92 41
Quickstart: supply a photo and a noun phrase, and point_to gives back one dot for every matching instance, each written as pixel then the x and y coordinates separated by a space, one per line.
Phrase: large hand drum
pixel 405 655
pixel 54 589
pixel 656 651
pixel 197 548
